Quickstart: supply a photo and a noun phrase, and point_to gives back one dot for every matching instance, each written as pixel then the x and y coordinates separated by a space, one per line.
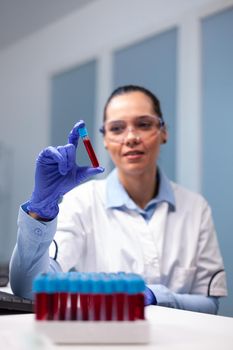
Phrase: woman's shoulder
pixel 185 195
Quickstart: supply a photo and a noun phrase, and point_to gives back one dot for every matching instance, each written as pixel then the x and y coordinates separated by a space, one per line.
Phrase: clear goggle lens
pixel 142 127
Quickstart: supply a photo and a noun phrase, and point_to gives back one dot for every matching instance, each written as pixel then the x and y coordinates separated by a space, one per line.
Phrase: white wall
pixel 95 31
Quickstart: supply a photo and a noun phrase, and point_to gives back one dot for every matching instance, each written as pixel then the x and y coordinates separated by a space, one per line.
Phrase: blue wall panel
pixel 217 68
pixel 153 64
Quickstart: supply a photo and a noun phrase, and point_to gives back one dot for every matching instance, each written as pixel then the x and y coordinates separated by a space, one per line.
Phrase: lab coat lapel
pixel 157 226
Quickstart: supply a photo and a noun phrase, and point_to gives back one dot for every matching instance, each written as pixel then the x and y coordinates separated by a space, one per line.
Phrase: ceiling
pixel 20 18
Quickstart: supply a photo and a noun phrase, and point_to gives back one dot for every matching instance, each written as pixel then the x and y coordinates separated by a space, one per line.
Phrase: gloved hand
pixel 149 297
pixel 56 174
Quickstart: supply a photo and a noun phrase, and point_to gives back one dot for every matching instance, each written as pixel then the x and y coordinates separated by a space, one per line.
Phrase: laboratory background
pixel 59 61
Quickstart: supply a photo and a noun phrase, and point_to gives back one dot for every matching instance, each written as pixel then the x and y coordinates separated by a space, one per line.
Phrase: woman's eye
pixel 116 129
pixel 145 124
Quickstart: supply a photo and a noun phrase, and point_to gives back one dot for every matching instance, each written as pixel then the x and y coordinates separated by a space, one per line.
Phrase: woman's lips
pixel 133 154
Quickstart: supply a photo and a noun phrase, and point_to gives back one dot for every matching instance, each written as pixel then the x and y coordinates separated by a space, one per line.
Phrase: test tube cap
pixel 135 283
pixel 108 285
pixel 74 282
pixel 141 286
pixel 119 283
pixel 86 285
pixel 97 284
pixel 51 283
pixel 82 131
pixel 39 284
pixel 62 282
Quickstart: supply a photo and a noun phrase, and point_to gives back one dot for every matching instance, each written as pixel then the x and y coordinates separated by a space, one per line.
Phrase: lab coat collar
pixel 117 197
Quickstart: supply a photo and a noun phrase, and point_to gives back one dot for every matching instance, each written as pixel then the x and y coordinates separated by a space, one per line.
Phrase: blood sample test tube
pixel 40 296
pixel 108 298
pixel 96 298
pixel 62 282
pixel 74 290
pixel 131 285
pixel 85 291
pixel 139 302
pixel 120 297
pixel 87 143
pixel 52 296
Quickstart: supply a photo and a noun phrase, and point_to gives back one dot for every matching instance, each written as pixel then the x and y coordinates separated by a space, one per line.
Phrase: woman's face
pixel 136 154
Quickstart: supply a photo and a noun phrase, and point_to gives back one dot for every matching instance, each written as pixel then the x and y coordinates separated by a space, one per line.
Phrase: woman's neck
pixel 140 187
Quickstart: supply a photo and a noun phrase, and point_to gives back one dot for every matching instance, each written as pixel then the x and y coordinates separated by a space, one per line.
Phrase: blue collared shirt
pixel 118 198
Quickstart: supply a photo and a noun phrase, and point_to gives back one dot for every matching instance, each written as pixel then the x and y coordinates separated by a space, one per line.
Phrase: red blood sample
pixel 74 306
pixel 52 306
pixel 41 306
pixel 90 151
pixel 97 306
pixel 84 306
pixel 63 305
pixel 131 307
pixel 139 307
pixel 120 306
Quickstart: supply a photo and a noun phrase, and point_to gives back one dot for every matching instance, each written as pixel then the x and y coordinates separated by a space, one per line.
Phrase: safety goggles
pixel 141 127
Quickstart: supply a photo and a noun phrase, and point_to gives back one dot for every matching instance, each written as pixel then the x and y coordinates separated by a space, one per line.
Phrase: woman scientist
pixel 135 220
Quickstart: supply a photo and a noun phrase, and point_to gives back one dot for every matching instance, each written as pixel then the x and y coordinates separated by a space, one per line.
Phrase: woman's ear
pixel 164 140
pixel 105 144
pixel 164 135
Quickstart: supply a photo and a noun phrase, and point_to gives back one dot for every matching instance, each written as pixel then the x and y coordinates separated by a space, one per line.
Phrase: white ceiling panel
pixel 20 18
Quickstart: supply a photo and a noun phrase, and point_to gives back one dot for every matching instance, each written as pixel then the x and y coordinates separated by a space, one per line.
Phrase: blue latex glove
pixel 149 297
pixel 56 174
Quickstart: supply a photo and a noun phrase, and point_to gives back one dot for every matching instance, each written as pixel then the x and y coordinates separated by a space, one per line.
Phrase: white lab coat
pixel 178 249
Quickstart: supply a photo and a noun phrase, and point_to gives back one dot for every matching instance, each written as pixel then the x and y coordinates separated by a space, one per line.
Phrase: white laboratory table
pixel 170 330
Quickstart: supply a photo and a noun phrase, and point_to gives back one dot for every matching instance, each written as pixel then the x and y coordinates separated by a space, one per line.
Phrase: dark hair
pixel 121 90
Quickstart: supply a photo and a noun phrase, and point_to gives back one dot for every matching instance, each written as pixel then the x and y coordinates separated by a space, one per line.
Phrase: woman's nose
pixel 131 137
